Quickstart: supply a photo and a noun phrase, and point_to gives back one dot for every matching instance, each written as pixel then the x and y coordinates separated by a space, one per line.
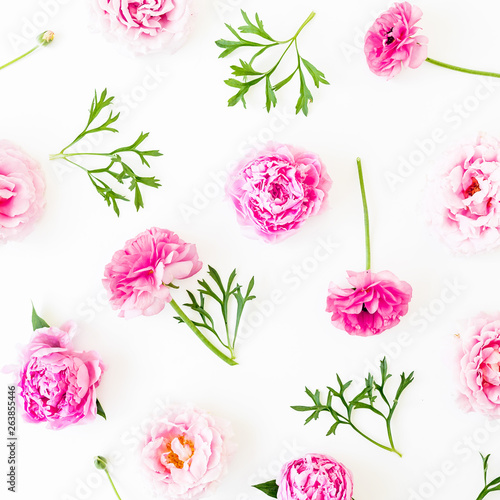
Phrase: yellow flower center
pixel 186 451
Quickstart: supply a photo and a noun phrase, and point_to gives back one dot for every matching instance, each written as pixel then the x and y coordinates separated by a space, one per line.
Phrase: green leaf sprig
pixel 249 76
pixel 223 295
pixel 38 323
pixel 118 169
pixel 364 400
pixel 491 486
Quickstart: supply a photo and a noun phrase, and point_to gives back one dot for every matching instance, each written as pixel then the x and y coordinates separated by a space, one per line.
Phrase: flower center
pixel 389 38
pixel 178 451
pixel 472 189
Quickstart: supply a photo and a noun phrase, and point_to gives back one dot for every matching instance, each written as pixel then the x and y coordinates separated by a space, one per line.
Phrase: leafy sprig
pixel 247 76
pixel 118 169
pixel 223 295
pixel 491 486
pixel 364 400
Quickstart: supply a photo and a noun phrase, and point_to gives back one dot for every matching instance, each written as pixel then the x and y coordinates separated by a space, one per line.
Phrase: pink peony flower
pixel 58 384
pixel 480 366
pixel 276 190
pixel 21 192
pixel 137 276
pixel 145 26
pixel 185 453
pixel 464 197
pixel 315 477
pixel 374 303
pixel 391 43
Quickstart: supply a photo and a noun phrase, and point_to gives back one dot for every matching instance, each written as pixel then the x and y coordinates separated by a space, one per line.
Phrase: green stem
pixel 462 70
pixel 112 484
pixel 304 24
pixel 20 57
pixel 393 450
pixel 200 335
pixel 64 156
pixel 483 493
pixel 367 219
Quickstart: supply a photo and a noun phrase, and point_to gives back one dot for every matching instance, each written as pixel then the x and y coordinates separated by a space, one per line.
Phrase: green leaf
pixel 100 410
pixel 270 95
pixel 245 70
pixel 285 81
pixel 316 74
pixel 270 488
pixel 305 96
pixel 36 321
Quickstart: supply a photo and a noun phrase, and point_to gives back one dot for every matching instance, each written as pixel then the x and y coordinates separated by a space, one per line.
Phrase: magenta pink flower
pixel 137 276
pixel 21 192
pixel 392 42
pixel 480 366
pixel 58 384
pixel 464 197
pixel 374 303
pixel 145 26
pixel 276 190
pixel 185 453
pixel 315 477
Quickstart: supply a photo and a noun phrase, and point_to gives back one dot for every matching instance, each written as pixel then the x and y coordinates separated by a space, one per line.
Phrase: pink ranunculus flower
pixel 185 453
pixel 145 26
pixel 464 197
pixel 137 276
pixel 58 384
pixel 21 192
pixel 392 42
pixel 374 303
pixel 480 366
pixel 274 191
pixel 315 477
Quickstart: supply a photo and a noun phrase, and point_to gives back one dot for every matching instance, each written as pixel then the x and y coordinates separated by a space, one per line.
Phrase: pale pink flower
pixel 392 42
pixel 145 26
pixel 464 197
pixel 58 384
pixel 480 366
pixel 137 276
pixel 21 192
pixel 274 191
pixel 185 453
pixel 374 303
pixel 315 477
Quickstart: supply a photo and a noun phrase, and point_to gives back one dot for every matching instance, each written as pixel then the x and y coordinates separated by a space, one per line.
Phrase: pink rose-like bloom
pixel 276 190
pixel 185 453
pixel 315 477
pixel 145 26
pixel 464 197
pixel 137 276
pixel 21 192
pixel 374 303
pixel 480 366
pixel 58 384
pixel 391 43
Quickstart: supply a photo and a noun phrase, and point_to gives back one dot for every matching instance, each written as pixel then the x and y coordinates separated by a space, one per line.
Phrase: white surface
pixel 43 104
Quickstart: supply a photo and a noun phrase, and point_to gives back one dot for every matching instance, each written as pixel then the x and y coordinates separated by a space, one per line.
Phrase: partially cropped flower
pixel 185 453
pixel 393 43
pixel 138 276
pixel 145 26
pixel 274 191
pixel 57 383
pixel 374 303
pixel 480 366
pixel 315 477
pixel 21 192
pixel 464 197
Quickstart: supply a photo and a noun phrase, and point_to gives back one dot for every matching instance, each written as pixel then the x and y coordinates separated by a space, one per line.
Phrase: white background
pixel 43 105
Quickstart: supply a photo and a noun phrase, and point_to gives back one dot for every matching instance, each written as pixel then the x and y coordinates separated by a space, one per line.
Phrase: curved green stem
pixel 200 335
pixel 112 484
pixel 304 24
pixel 367 219
pixel 462 70
pixel 20 57
pixel 380 445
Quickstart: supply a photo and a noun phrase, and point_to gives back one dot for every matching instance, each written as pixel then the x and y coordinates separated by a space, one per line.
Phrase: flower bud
pixel 46 37
pixel 100 463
